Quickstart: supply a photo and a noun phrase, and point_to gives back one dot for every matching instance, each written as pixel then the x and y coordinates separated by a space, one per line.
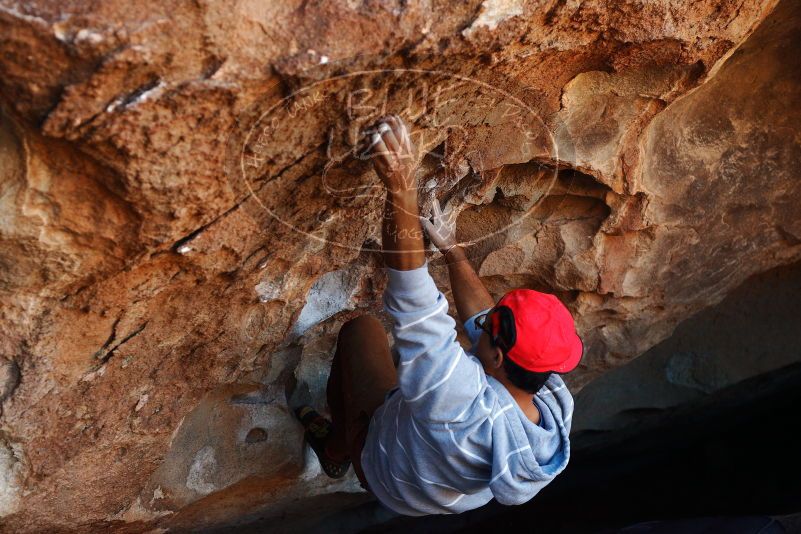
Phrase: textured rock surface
pixel 155 302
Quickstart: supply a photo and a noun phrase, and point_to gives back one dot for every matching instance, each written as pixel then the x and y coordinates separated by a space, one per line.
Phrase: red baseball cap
pixel 538 330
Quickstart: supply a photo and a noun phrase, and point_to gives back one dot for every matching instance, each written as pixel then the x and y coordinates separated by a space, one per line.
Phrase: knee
pixel 361 323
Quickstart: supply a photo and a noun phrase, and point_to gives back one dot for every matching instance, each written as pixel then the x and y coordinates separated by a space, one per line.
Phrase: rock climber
pixel 446 430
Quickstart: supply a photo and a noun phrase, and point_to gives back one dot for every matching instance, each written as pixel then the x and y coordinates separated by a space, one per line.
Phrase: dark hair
pixel 526 380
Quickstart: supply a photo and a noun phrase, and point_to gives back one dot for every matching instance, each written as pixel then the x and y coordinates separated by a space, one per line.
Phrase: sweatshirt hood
pixel 536 452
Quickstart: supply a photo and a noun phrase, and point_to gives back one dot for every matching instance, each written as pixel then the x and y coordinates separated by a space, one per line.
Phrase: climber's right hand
pixel 441 229
pixel 394 156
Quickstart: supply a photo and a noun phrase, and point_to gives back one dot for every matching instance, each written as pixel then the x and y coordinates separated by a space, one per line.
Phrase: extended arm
pixel 437 380
pixel 402 236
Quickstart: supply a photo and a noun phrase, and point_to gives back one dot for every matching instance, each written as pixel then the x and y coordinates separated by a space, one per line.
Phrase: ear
pixel 497 359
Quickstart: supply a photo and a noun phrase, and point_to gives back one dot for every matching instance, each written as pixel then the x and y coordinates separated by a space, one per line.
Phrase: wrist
pixel 401 195
pixel 454 254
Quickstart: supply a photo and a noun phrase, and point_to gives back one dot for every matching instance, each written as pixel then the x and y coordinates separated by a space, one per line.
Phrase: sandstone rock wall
pixel 183 223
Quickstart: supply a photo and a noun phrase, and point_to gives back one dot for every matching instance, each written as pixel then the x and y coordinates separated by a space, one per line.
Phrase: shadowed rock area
pixel 185 220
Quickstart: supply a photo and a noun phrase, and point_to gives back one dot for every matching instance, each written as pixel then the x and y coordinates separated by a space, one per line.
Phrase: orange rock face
pixel 186 219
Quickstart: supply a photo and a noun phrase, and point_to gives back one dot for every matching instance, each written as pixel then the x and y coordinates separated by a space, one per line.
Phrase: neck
pixel 522 397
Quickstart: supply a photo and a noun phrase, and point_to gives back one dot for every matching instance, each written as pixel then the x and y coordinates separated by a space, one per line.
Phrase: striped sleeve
pixel 437 379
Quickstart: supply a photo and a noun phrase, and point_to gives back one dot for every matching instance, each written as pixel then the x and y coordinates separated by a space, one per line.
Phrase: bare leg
pixel 362 373
pixel 336 446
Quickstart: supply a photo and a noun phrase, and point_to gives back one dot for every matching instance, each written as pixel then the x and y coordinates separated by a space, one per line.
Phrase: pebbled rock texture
pixel 185 220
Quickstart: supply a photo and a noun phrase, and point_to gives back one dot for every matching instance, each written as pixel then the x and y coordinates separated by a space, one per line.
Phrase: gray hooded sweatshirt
pixel 450 438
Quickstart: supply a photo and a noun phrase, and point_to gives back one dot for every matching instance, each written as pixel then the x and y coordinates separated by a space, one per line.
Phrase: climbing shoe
pixel 317 430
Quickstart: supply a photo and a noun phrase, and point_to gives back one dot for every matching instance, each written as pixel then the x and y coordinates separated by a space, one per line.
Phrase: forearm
pixel 469 292
pixel 402 234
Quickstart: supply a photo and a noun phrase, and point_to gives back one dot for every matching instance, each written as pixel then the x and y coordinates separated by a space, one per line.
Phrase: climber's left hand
pixel 441 228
